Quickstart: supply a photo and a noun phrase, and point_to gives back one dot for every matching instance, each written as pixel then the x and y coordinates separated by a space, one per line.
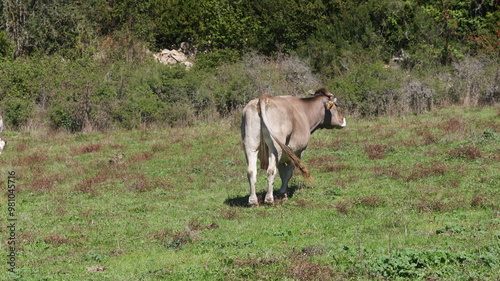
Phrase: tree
pixel 16 19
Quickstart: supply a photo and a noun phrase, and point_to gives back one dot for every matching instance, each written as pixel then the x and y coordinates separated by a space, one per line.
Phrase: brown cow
pixel 273 125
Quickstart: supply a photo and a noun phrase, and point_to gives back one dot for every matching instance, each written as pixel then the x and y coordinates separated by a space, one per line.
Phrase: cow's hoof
pixel 283 196
pixel 253 204
pixel 269 201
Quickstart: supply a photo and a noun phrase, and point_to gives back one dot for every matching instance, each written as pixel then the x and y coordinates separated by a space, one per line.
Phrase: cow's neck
pixel 316 114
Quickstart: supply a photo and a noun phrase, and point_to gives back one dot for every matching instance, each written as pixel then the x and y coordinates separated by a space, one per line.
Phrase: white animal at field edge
pixel 2 143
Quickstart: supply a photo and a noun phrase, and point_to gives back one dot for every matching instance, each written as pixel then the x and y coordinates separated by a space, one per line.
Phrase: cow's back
pixel 288 121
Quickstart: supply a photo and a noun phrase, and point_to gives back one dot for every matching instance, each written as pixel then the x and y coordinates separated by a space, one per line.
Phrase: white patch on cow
pixel 343 124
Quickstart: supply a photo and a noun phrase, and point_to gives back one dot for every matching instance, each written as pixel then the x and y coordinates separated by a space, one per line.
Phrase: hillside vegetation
pixel 87 65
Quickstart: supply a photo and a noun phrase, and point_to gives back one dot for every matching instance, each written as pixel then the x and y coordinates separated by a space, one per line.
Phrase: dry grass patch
pixel 138 183
pixel 178 239
pixel 304 270
pixel 32 160
pixel 141 157
pixel 88 185
pixel 229 214
pixel 302 203
pixel 312 251
pixel 453 125
pixel 428 137
pixel 376 151
pixel 424 171
pixel 425 205
pixel 322 161
pixel 344 207
pixel 44 182
pixel 470 152
pixel 371 201
pixel 386 171
pixel 255 262
pixel 162 236
pixel 27 237
pixel 337 167
pixel 55 239
pixel 443 203
pixel 484 202
pixel 21 147
pixel 159 147
pixel 88 148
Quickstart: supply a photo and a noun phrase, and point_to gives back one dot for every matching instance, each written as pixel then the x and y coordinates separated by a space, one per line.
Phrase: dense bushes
pixel 89 95
pixel 380 89
pixel 83 66
pixel 443 30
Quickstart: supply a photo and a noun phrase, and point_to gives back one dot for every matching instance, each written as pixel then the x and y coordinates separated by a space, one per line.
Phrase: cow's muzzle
pixel 343 124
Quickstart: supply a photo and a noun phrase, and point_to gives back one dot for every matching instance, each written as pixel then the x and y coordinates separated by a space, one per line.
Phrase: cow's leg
pixel 252 176
pixel 286 172
pixel 251 135
pixel 271 174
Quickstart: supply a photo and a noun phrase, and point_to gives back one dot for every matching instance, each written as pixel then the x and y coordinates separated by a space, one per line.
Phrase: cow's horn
pixel 330 105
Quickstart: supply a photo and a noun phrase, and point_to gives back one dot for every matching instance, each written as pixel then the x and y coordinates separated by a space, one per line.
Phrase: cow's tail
pixel 294 158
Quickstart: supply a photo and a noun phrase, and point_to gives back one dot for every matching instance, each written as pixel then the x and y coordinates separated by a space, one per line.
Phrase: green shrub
pixel 63 116
pixel 179 115
pixel 231 87
pixel 17 111
pixel 5 46
pixel 216 58
pixel 138 110
pixel 91 94
pixel 411 263
pixel 18 79
pixel 368 90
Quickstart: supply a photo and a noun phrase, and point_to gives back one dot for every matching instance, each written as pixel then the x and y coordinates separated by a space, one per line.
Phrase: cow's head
pixel 333 118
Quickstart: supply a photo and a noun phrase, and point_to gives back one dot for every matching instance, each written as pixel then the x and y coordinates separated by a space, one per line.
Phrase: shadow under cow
pixel 279 199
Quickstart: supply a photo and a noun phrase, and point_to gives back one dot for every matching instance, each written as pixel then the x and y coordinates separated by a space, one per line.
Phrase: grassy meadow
pixel 399 198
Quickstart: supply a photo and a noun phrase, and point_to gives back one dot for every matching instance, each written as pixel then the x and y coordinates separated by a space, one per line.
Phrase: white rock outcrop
pixel 171 57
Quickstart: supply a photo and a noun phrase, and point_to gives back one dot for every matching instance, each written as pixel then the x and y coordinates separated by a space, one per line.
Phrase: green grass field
pixel 393 198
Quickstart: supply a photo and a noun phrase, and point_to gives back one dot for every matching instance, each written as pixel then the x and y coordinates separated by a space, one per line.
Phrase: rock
pixel 171 57
pixel 169 60
pixel 188 64
pixel 178 56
